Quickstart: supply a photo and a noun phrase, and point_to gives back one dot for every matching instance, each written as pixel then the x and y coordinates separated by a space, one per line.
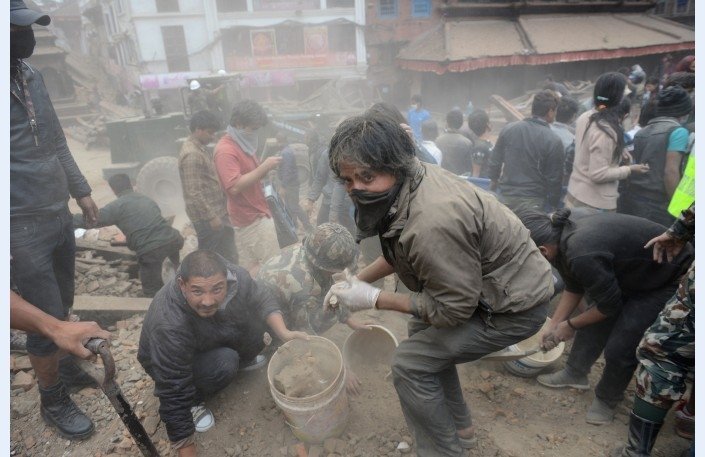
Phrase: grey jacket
pixel 453 244
pixel 43 175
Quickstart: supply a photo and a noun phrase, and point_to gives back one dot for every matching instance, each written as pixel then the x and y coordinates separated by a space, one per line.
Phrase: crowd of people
pixel 612 211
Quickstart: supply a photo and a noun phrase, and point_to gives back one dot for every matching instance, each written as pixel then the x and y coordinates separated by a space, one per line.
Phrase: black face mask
pixel 371 208
pixel 22 43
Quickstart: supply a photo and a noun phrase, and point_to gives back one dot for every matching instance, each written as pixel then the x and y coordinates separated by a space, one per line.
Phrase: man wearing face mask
pixel 43 176
pixel 240 173
pixel 479 283
pixel 663 145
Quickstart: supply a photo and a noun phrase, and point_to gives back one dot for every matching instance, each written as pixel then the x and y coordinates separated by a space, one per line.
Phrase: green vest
pixel 684 195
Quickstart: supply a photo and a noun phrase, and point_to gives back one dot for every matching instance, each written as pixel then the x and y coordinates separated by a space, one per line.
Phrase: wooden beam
pixel 107 303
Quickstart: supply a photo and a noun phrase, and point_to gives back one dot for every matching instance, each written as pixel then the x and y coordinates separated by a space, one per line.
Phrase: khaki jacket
pixel 453 244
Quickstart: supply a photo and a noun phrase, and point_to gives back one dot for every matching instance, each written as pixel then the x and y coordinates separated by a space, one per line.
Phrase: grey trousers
pixel 426 378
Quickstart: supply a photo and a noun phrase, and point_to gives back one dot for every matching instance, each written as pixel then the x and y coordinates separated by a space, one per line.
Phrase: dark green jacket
pixel 139 218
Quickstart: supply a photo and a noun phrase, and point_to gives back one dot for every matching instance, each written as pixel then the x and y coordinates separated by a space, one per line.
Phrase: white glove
pixel 353 294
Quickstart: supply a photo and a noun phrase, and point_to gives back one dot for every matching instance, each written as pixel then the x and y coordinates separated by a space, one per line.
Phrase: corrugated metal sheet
pixel 542 39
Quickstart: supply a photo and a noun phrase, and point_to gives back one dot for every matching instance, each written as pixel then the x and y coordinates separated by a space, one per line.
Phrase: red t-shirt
pixel 231 162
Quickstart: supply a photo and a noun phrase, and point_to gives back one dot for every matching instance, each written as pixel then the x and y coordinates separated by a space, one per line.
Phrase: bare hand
pixel 291 335
pixel 551 339
pixel 307 206
pixel 407 128
pixel 352 383
pixel 216 224
pixel 639 168
pixel 72 336
pixel 89 209
pixel 357 325
pixel 270 163
pixel 665 244
pixel 627 157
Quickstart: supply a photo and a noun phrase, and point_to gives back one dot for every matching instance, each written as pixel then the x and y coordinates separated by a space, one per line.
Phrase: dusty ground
pixel 514 416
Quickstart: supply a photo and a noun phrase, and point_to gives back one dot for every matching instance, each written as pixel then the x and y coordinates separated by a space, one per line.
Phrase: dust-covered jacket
pixel 299 290
pixel 453 243
pixel 172 335
pixel 42 170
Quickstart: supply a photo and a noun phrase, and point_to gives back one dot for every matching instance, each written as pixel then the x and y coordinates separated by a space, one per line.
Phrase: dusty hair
pixel 375 141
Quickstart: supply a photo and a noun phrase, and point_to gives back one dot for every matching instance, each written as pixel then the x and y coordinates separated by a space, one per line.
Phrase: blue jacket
pixel 43 175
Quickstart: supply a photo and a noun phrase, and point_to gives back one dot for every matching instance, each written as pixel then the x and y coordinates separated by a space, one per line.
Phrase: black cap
pixel 23 16
pixel 673 101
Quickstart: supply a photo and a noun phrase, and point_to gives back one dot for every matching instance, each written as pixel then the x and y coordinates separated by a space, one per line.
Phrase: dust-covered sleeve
pixel 171 355
pixel 447 262
pixel 259 297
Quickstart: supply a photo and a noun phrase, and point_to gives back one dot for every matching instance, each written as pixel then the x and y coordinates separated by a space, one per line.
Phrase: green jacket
pixel 139 218
pixel 453 243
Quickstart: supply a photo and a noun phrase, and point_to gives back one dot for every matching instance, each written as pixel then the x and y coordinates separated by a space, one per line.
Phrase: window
pixel 341 3
pixel 341 38
pixel 167 6
pixel 421 8
pixel 229 6
pixel 175 48
pixel 290 40
pixel 388 9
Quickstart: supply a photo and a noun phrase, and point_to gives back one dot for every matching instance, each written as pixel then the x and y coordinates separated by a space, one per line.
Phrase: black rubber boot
pixel 73 376
pixel 58 410
pixel 642 436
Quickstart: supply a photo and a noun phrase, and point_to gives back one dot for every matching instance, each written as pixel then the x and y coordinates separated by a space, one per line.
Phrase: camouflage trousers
pixel 667 352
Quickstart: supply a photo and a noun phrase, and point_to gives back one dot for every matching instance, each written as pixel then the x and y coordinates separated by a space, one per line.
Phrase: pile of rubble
pixel 97 276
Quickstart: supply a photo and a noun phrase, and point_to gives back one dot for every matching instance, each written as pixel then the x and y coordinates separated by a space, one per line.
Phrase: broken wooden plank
pixel 510 112
pixel 107 303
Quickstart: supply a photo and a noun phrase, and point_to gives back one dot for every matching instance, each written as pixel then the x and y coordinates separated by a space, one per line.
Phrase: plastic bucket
pixel 369 346
pixel 530 366
pixel 315 416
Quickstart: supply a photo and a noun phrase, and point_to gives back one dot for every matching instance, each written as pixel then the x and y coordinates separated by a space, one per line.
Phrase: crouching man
pixel 201 328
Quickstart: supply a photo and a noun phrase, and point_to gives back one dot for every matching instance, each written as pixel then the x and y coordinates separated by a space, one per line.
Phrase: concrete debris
pixel 97 276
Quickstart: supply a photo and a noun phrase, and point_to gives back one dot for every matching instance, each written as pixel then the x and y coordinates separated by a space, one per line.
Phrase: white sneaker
pixel 256 363
pixel 202 418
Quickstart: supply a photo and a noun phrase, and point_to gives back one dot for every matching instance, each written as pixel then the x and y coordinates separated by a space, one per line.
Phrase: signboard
pixel 316 40
pixel 264 42
pixel 331 59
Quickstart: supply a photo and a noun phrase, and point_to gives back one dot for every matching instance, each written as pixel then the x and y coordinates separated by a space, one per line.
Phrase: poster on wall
pixel 264 42
pixel 316 40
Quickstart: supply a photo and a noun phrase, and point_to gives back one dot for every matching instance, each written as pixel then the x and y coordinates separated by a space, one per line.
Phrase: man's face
pixel 649 87
pixel 204 136
pixel 204 295
pixel 551 116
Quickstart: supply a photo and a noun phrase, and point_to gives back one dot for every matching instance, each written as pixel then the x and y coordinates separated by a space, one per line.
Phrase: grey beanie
pixel 673 102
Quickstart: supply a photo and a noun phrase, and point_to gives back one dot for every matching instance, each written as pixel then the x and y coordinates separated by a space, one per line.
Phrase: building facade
pixel 290 44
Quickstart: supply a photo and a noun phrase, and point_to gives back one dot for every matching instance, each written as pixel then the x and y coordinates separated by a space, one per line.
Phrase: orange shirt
pixel 231 162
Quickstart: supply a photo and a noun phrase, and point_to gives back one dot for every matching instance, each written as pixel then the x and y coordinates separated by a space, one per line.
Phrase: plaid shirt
pixel 203 196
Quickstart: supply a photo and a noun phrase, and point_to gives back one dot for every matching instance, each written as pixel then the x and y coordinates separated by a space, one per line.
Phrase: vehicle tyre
pixel 159 180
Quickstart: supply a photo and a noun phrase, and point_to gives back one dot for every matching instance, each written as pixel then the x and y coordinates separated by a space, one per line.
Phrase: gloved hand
pixel 352 293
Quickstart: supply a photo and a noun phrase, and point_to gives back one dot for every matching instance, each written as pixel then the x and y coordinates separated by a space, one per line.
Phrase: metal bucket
pixel 325 414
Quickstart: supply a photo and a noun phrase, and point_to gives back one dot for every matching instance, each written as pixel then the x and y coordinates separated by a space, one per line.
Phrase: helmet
pixel 331 248
pixel 194 85
pixel 222 72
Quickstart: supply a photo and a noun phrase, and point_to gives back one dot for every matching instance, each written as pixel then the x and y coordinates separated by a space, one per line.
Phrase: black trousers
pixel 151 265
pixel 221 241
pixel 618 336
pixel 215 369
